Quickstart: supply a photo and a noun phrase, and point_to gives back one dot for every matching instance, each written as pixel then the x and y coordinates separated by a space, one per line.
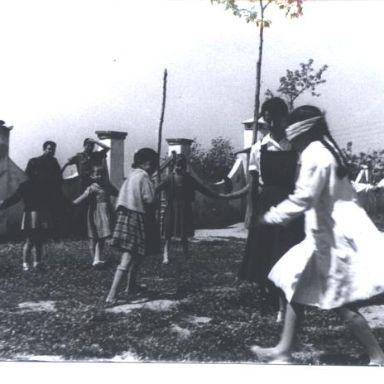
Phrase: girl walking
pixel 340 261
pixel 99 214
pixel 132 234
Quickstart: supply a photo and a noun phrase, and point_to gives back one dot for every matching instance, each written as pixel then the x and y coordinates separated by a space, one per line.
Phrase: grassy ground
pixel 217 320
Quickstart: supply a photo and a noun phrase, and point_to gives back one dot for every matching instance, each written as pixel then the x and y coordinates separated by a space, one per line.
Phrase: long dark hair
pixel 276 107
pixel 320 132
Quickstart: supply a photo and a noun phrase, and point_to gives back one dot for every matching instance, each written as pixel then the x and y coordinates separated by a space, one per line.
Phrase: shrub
pixel 215 163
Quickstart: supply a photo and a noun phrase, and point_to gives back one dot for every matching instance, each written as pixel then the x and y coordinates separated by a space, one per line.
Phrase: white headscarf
pixel 301 127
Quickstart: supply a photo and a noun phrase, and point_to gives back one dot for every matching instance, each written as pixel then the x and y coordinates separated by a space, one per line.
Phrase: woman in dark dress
pixel 273 169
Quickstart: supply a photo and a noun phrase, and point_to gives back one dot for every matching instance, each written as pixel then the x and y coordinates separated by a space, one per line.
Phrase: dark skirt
pixel 135 232
pixel 266 244
pixel 36 221
pixel 178 220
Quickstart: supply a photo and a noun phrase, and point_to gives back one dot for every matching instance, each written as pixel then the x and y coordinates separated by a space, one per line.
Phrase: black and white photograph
pixel 192 181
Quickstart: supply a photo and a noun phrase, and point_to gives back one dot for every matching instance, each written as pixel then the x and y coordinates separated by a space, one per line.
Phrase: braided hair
pixel 320 132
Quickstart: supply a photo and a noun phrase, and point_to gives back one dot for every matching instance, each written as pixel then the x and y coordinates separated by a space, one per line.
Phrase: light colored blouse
pixel 137 191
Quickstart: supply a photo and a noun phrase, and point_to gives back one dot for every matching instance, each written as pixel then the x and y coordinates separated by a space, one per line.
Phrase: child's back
pixel 136 192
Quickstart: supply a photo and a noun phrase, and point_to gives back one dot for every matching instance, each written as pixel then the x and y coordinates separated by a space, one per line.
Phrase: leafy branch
pixel 298 81
pixel 255 13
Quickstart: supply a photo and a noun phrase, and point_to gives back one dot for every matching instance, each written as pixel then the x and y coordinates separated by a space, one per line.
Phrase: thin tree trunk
pixel 258 74
pixel 159 205
pixel 249 209
pixel 162 121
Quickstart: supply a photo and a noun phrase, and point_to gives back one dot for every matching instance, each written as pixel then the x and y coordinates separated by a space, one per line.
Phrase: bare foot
pixel 280 317
pixel 110 302
pixel 271 355
pixel 376 362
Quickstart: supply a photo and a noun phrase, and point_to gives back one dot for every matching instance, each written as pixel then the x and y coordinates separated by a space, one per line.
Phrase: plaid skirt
pixel 133 232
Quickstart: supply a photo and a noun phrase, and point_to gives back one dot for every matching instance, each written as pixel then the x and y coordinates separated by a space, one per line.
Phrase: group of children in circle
pixel 334 264
pixel 133 227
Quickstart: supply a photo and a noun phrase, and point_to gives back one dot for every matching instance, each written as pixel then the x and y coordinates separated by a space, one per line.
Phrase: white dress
pixel 341 259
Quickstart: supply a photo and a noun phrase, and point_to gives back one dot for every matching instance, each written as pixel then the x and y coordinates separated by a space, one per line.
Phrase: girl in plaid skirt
pixel 134 223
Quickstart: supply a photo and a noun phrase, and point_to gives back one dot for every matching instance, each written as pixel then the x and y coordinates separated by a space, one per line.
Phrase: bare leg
pixel 92 247
pixel 363 333
pixel 167 247
pixel 132 285
pixel 282 351
pixel 27 249
pixel 38 252
pixel 121 270
pixel 280 313
pixel 99 249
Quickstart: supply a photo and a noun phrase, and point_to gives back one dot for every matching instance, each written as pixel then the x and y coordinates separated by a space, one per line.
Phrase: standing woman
pixel 273 170
pixel 340 262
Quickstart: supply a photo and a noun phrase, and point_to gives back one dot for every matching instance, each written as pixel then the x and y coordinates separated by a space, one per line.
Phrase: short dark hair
pixel 86 141
pixel 276 107
pixel 49 142
pixel 143 155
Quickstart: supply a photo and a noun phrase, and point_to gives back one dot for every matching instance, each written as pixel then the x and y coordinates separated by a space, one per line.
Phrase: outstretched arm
pixel 100 144
pixel 203 189
pixel 236 194
pixel 71 161
pixel 83 196
pixel 309 186
pixel 64 167
pixel 251 188
pixel 12 200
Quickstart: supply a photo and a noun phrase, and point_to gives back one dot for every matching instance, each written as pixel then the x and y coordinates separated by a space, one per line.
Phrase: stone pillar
pixel 4 172
pixel 248 131
pixel 180 146
pixel 115 159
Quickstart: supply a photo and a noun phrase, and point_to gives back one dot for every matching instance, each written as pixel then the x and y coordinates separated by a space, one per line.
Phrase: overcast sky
pixel 71 67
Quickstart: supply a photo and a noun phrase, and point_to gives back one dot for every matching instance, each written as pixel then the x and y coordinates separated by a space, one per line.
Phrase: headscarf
pixel 301 127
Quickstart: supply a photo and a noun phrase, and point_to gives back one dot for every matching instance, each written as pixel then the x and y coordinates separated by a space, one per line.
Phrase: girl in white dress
pixel 340 261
